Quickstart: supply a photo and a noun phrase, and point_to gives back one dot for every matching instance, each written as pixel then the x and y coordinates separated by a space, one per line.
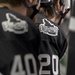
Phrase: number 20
pixel 47 63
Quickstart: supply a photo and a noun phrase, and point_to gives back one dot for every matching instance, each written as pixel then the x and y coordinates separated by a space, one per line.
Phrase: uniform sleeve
pixel 62 43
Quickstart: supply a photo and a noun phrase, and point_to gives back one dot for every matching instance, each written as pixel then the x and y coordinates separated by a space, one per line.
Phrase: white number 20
pixel 47 63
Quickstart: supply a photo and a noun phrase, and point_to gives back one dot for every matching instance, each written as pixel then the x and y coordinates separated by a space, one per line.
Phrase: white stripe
pixel 72 24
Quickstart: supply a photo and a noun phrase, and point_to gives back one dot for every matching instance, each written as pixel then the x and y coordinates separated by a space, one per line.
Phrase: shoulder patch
pixel 48 28
pixel 14 24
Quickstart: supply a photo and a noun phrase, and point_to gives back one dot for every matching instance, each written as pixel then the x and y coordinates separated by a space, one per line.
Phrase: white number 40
pixel 18 64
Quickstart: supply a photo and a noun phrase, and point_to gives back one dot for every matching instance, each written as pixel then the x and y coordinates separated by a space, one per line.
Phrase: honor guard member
pixel 19 40
pixel 53 41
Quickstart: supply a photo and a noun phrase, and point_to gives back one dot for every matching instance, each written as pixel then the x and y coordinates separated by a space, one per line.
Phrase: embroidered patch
pixel 48 28
pixel 14 24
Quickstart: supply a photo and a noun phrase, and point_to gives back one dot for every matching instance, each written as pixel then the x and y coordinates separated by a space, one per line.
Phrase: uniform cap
pixel 45 1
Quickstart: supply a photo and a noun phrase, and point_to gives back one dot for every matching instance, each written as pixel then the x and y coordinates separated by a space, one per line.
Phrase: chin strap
pixel 67 4
pixel 63 15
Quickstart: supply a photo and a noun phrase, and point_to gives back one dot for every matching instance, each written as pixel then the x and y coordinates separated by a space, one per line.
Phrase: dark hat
pixel 46 3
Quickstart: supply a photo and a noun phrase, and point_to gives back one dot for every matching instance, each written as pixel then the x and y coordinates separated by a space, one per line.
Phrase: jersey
pixel 52 47
pixel 19 44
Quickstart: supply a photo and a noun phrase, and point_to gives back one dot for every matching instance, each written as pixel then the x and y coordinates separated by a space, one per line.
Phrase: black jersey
pixel 52 47
pixel 19 43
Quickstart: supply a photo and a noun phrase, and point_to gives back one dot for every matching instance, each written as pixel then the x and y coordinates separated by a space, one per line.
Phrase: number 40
pixel 18 64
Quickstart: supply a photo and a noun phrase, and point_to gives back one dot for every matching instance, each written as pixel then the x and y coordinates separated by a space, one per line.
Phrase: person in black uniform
pixel 19 40
pixel 53 41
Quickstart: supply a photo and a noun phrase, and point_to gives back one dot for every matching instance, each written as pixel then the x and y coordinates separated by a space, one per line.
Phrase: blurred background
pixel 63 61
pixel 65 28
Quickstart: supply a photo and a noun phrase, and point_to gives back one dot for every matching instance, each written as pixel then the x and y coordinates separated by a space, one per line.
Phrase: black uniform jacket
pixel 19 44
pixel 53 46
